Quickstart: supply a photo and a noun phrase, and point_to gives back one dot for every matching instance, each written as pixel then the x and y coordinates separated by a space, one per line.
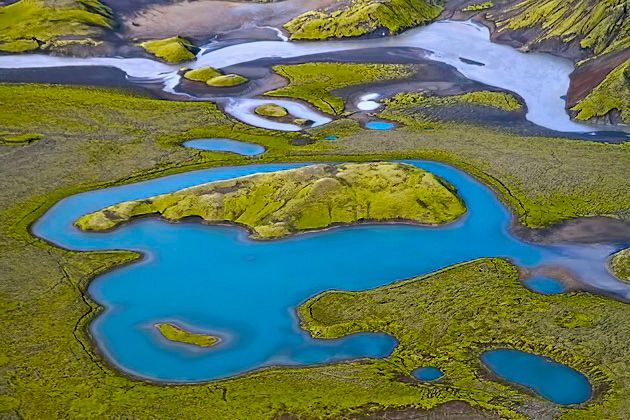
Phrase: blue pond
pixel 544 284
pixel 379 125
pixel 226 145
pixel 427 373
pixel 551 380
pixel 330 138
pixel 214 278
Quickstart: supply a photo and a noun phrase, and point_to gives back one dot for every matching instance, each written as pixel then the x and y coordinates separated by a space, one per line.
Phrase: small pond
pixel 545 285
pixel 427 373
pixel 379 125
pixel 226 145
pixel 549 379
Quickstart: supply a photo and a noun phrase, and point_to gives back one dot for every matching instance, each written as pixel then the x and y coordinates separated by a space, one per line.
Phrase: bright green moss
pixel 172 50
pixel 478 6
pixel 25 22
pixel 271 110
pixel 314 197
pixel 10 138
pixel 315 82
pixel 361 17
pixel 176 333
pixel 612 93
pixel 227 80
pixel 620 264
pixel 502 100
pixel 202 74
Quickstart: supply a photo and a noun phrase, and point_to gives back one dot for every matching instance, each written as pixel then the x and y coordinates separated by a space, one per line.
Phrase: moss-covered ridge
pixel 312 197
pixel 501 100
pixel 176 333
pixel 612 94
pixel 362 17
pixel 31 24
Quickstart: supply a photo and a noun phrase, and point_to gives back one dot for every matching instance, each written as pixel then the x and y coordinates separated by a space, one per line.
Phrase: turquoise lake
pixel 551 380
pixel 545 285
pixel 215 279
pixel 225 145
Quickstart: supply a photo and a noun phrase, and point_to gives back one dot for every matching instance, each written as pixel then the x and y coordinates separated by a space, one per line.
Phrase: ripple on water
pixel 549 379
pixel 226 145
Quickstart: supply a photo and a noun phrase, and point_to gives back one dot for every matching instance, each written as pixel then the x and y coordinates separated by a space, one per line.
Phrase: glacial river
pixel 217 280
pixel 541 80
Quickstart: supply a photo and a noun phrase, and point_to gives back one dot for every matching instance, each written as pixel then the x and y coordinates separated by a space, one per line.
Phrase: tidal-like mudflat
pixel 214 278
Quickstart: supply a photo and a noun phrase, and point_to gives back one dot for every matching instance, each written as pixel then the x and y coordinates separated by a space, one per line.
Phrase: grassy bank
pixel 93 138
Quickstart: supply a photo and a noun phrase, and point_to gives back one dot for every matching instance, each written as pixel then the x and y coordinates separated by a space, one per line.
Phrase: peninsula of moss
pixel 312 197
pixel 620 264
pixel 176 333
pixel 315 82
pixel 501 100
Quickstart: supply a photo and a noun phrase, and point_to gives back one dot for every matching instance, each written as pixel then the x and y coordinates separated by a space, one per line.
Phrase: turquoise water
pixel 551 380
pixel 330 138
pixel 216 279
pixel 379 125
pixel 544 284
pixel 226 145
pixel 427 373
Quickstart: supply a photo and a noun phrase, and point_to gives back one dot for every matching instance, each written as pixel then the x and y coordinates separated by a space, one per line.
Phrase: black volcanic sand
pixel 579 230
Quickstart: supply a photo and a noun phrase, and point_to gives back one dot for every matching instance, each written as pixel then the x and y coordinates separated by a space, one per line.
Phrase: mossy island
pixel 213 77
pixel 271 110
pixel 282 203
pixel 176 333
pixel 172 50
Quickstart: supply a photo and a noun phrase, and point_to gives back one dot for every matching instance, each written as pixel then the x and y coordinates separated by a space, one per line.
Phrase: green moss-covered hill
pixel 362 17
pixel 313 197
pixel 31 24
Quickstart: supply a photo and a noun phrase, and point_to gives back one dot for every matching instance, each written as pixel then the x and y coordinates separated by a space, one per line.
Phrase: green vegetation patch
pixel 176 333
pixel 171 50
pixel 12 139
pixel 27 24
pixel 202 74
pixel 620 264
pixel 313 197
pixel 446 319
pixel 227 80
pixel 478 6
pixel 361 17
pixel 315 82
pixel 271 110
pixel 502 100
pixel 214 77
pixel 612 93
